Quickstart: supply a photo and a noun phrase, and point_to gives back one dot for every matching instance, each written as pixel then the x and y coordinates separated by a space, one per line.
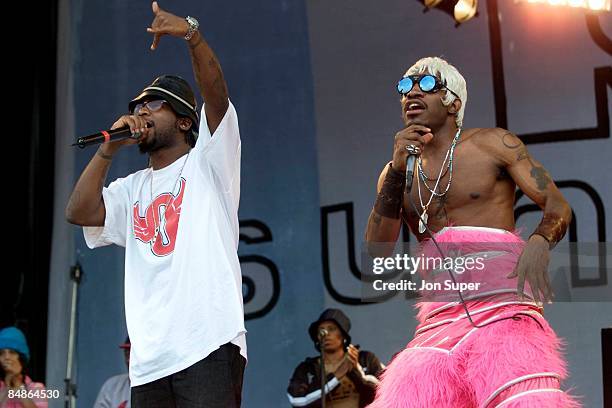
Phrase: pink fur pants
pixel 512 361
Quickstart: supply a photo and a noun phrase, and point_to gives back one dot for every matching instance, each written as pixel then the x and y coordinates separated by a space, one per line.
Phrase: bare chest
pixel 443 194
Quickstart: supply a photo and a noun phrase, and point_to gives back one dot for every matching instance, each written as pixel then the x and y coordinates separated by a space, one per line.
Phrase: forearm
pixel 208 73
pixel 555 220
pixel 381 234
pixel 384 223
pixel 85 204
pixel 365 386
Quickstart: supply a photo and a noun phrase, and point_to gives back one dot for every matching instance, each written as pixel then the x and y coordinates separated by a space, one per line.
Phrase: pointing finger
pixel 155 42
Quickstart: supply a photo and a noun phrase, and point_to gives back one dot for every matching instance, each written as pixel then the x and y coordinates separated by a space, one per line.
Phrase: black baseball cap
pixel 177 92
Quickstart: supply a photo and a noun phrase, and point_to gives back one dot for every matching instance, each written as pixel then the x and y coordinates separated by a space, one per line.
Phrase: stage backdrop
pixel 313 83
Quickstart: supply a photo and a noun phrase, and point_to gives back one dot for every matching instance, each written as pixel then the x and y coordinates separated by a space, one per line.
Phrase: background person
pixel 14 356
pixel 352 374
pixel 115 392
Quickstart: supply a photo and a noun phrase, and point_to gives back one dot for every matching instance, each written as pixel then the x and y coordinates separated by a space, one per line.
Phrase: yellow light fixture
pixel 464 10
pixel 431 3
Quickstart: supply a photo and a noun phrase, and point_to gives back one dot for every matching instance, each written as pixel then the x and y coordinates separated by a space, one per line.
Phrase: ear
pixel 184 124
pixel 455 106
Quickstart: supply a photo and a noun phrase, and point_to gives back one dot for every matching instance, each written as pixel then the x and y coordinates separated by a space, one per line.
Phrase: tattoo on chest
pixel 440 208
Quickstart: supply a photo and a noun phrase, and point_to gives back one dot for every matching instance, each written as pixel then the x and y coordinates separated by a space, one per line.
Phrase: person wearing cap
pixel 115 393
pixel 17 390
pixel 178 222
pixel 351 374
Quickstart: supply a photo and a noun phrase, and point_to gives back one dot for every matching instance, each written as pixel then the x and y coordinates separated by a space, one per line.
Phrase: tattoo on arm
pixel 511 141
pixel 376 219
pixel 523 154
pixel 541 177
pixel 538 173
pixel 389 199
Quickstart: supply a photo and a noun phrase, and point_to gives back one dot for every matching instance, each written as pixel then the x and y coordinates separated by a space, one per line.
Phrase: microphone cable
pixel 450 273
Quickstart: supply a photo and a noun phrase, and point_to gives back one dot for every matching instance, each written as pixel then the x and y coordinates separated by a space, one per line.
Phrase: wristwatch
pixel 193 27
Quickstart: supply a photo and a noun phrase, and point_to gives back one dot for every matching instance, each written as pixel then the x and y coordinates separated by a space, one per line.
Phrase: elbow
pixel 71 217
pixel 563 209
pixel 568 212
pixel 379 249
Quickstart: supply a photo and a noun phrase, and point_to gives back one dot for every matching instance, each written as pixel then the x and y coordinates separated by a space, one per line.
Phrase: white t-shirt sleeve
pixel 221 149
pixel 116 203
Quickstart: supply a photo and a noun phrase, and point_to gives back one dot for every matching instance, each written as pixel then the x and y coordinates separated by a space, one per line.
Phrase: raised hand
pixel 165 23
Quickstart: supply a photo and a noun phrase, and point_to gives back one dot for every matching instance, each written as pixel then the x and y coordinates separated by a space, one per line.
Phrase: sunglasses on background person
pixel 427 83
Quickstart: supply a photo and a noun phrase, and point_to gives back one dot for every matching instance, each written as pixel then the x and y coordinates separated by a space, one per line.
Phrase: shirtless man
pixel 509 353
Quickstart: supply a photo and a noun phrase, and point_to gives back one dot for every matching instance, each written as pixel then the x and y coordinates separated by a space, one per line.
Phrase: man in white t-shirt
pixel 178 222
pixel 115 392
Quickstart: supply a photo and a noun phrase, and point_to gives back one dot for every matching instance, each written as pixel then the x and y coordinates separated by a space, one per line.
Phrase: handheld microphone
pixel 410 160
pixel 107 136
pixel 322 333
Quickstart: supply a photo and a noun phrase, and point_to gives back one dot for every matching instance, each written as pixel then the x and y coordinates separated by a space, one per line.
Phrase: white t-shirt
pixel 183 286
pixel 115 393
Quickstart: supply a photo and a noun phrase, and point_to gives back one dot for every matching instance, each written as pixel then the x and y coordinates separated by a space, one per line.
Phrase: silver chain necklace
pixel 422 176
pixel 158 227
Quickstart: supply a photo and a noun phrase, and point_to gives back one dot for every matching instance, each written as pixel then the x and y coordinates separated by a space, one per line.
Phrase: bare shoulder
pixel 500 143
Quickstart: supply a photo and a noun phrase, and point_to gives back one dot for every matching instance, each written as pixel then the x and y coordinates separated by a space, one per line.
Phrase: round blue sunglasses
pixel 427 83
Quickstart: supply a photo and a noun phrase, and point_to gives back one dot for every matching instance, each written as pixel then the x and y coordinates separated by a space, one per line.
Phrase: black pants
pixel 214 382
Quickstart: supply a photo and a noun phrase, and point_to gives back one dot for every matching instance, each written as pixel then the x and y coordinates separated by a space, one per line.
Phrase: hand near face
pixel 353 355
pixel 413 135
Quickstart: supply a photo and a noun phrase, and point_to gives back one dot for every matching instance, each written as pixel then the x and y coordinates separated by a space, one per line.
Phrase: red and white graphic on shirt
pixel 163 213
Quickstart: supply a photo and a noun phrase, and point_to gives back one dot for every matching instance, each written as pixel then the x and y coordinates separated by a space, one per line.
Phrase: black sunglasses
pixel 427 83
pixel 152 106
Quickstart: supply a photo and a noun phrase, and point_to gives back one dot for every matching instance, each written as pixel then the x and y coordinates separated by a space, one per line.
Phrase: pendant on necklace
pixel 423 221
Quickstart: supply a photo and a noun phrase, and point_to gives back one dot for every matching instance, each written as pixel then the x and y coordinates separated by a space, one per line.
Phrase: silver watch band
pixel 193 27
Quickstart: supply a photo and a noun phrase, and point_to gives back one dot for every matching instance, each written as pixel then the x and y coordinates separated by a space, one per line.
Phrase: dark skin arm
pixel 86 206
pixel 365 388
pixel 531 177
pixel 206 67
pixel 382 231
